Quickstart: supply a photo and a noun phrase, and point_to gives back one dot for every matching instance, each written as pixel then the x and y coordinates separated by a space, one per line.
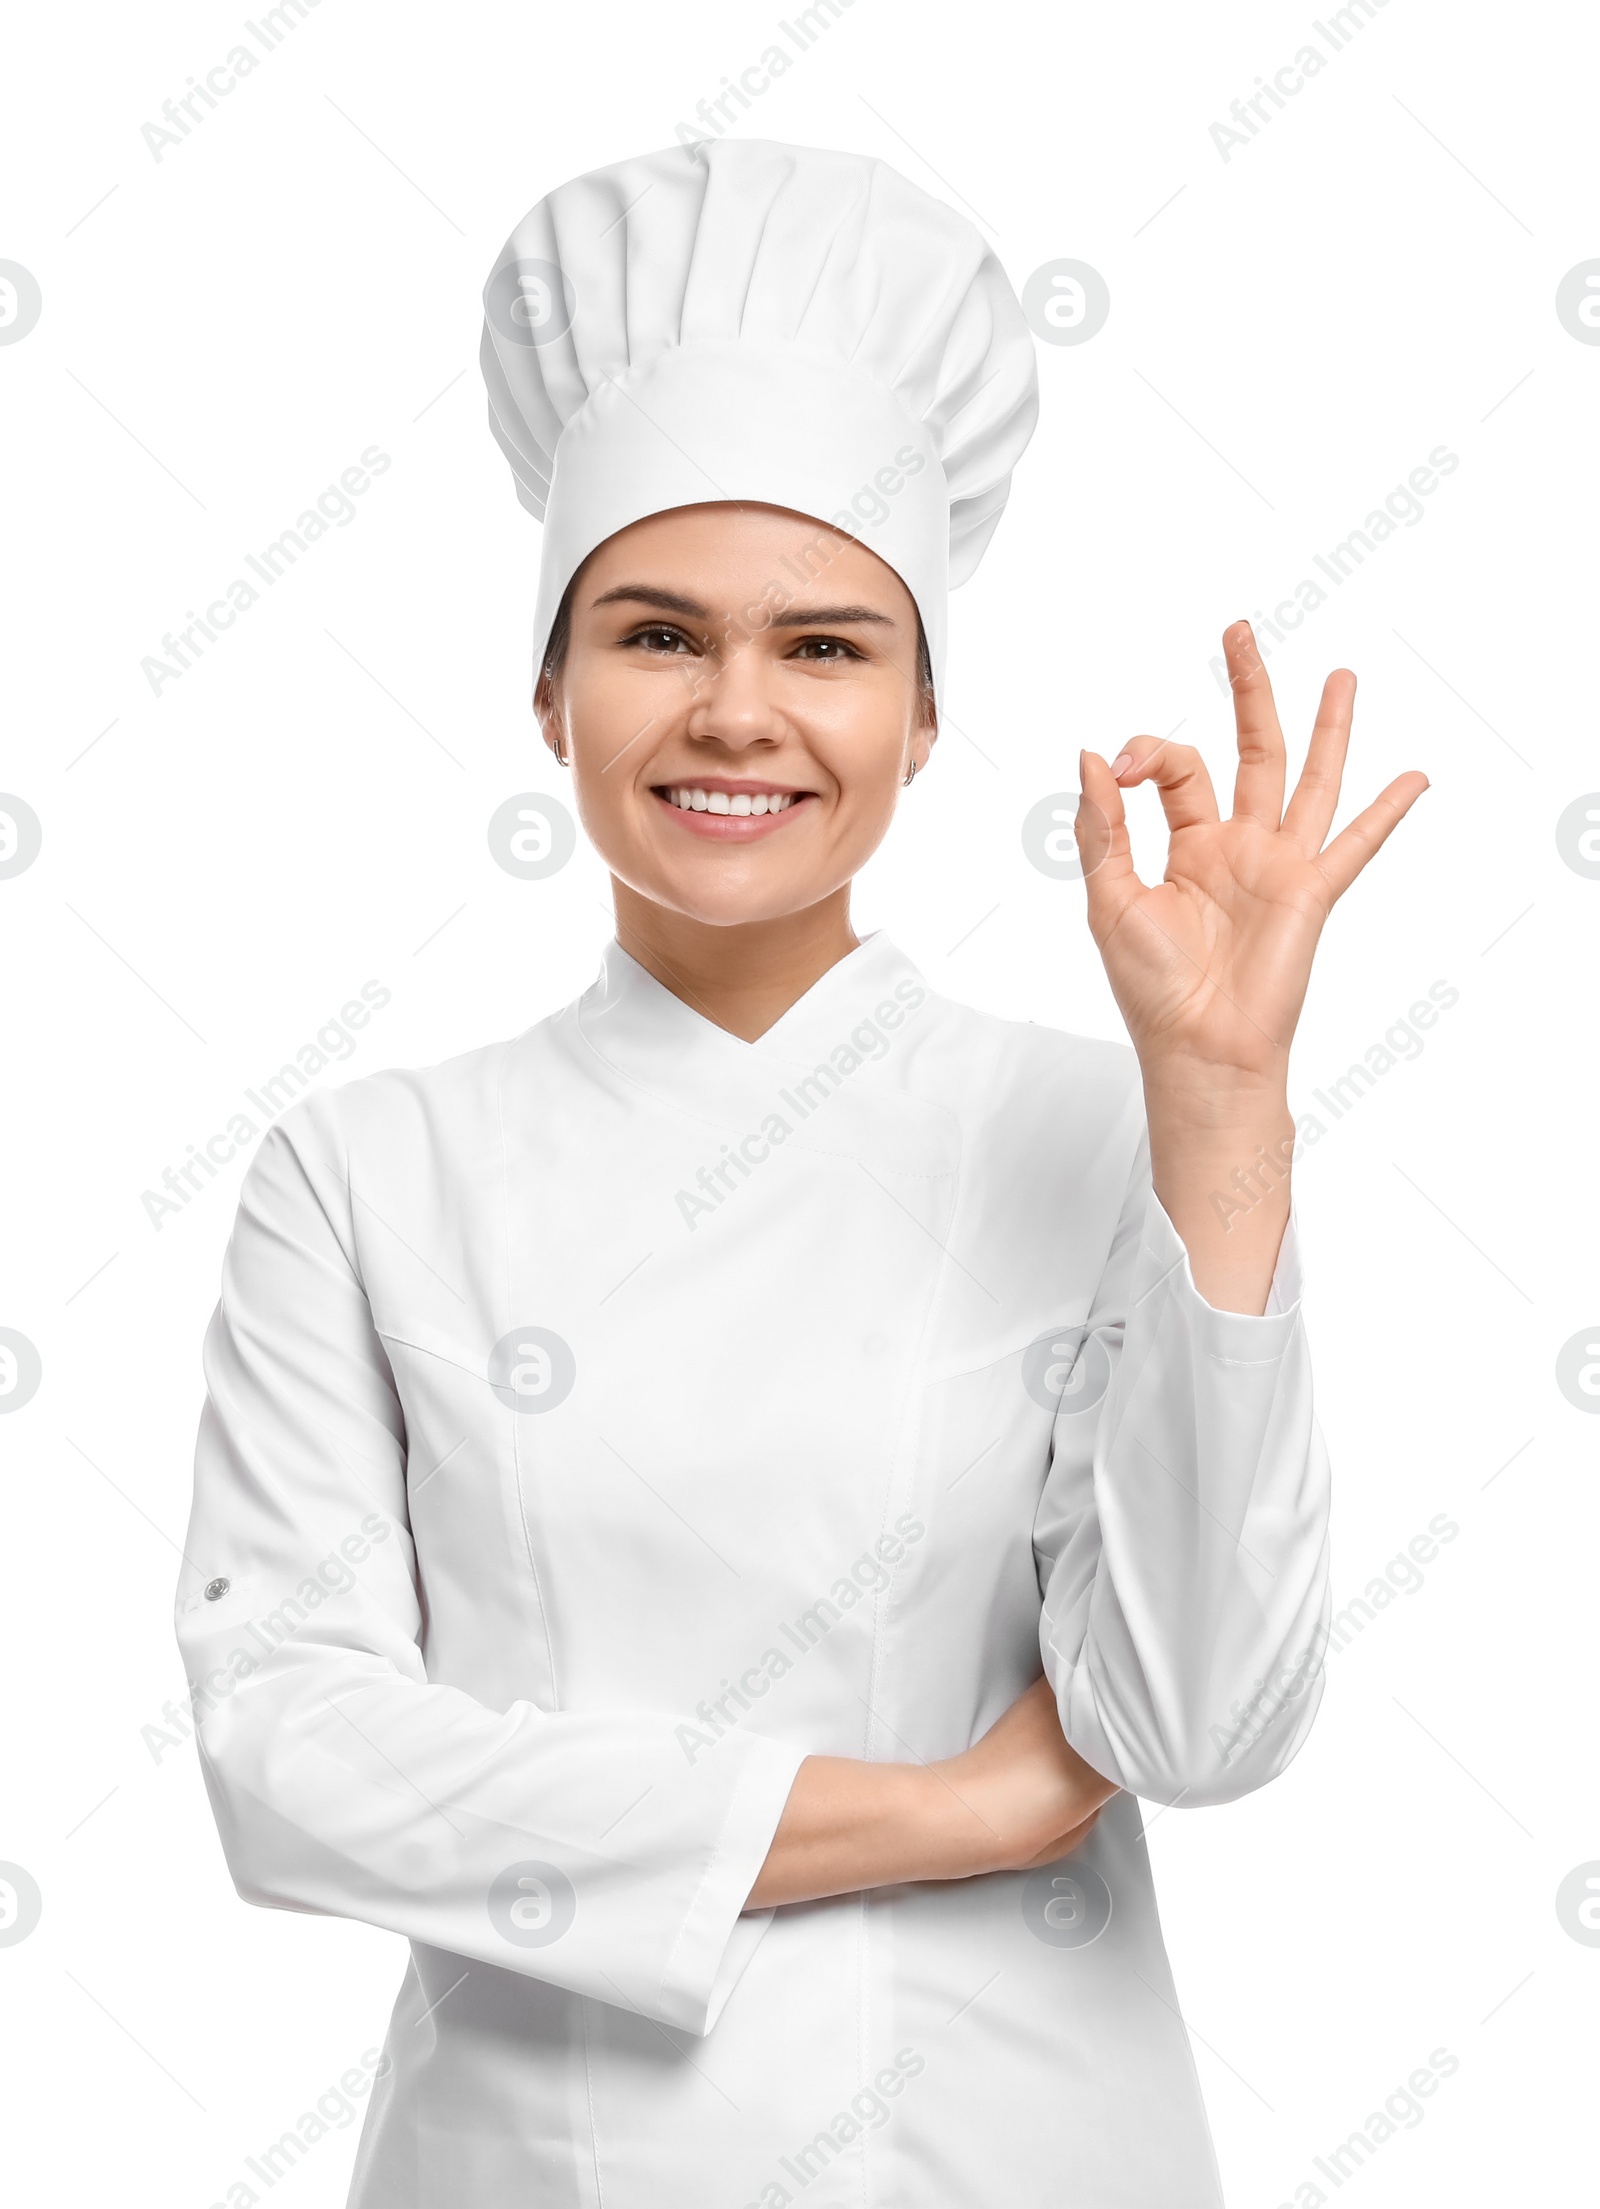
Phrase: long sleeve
pixel 1182 1537
pixel 578 1848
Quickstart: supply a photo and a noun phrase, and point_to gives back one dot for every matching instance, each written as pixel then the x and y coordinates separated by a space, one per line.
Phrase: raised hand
pixel 1209 966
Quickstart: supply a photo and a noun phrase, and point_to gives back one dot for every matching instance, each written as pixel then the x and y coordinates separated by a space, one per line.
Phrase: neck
pixel 744 977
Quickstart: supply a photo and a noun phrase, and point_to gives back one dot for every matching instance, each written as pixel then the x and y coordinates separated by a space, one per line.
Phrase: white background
pixel 1292 331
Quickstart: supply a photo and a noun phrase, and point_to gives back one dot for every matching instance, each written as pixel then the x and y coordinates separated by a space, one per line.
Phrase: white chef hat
pixel 747 320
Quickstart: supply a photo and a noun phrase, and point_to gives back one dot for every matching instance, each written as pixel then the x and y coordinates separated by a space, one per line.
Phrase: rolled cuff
pixel 1246 1335
pixel 716 1942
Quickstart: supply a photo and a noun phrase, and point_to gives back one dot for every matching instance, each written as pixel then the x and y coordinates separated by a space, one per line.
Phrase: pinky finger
pixel 1371 829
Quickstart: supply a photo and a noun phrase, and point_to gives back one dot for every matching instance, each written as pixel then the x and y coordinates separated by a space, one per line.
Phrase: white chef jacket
pixel 602 1421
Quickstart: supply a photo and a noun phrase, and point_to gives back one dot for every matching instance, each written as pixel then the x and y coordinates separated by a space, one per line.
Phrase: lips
pixel 730 812
pixel 737 804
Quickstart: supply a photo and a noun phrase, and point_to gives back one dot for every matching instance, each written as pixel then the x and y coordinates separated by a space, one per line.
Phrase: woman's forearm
pixel 1220 1165
pixel 849 1825
pixel 1021 1795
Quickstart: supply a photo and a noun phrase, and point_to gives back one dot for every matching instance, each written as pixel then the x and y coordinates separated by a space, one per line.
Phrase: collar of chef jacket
pixel 901 1142
pixel 840 1068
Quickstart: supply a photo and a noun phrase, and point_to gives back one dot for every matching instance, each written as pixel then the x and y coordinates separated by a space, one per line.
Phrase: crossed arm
pixel 1018 1797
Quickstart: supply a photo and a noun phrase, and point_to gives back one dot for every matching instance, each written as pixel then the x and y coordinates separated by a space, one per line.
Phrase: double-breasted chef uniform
pixel 599 1423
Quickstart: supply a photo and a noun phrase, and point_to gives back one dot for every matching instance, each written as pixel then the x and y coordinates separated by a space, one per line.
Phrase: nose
pixel 732 700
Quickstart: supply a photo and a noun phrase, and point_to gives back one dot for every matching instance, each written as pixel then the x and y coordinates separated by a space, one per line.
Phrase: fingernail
pixel 1122 761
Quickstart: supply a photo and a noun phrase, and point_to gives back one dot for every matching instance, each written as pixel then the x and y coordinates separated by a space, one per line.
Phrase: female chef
pixel 710 1514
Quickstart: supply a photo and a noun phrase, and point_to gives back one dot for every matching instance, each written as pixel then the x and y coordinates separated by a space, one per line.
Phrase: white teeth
pixel 690 800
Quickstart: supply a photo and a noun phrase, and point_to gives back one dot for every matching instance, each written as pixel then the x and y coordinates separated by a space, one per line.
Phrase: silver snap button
pixel 215 1589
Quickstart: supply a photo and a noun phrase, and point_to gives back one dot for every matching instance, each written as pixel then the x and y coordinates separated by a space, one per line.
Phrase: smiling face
pixel 740 700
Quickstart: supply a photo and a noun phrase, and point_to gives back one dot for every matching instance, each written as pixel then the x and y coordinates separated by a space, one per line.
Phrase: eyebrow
pixel 672 602
pixel 669 602
pixel 812 617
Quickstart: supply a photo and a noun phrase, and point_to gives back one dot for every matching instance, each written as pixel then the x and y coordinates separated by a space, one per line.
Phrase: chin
pixel 731 895
pixel 736 906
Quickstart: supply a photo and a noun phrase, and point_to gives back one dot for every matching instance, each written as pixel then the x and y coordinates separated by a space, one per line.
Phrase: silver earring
pixel 906 778
pixel 561 757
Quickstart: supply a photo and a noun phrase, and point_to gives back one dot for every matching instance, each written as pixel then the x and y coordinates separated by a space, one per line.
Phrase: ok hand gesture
pixel 1209 965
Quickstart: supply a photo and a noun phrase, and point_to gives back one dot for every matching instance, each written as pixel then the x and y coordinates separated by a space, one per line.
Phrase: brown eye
pixel 827 651
pixel 658 637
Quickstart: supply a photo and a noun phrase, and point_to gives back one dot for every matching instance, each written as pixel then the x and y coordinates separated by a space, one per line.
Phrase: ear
pixel 547 710
pixel 926 733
